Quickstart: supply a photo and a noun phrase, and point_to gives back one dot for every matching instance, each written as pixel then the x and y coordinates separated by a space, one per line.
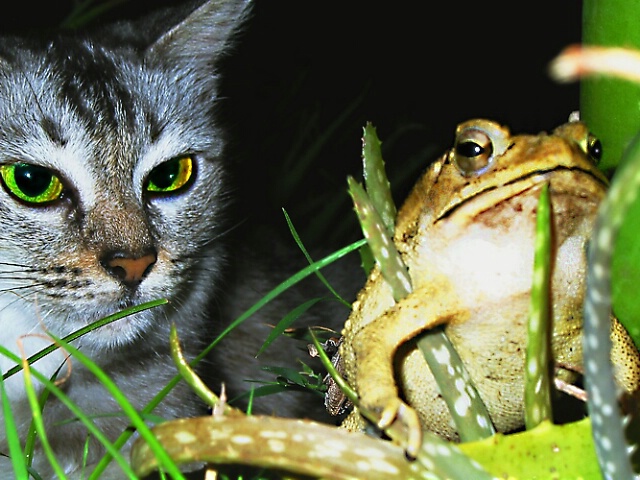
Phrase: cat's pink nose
pixel 129 270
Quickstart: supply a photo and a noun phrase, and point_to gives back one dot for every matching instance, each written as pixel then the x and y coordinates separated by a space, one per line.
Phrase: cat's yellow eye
pixel 31 183
pixel 171 175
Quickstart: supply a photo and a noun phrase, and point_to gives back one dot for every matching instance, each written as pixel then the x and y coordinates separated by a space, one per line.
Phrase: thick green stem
pixel 610 106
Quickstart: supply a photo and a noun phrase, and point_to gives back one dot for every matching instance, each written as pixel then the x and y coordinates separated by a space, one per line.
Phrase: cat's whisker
pixel 16 275
pixel 19 265
pixel 21 287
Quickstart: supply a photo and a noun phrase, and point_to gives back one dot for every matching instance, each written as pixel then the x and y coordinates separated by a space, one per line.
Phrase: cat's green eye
pixel 171 175
pixel 31 183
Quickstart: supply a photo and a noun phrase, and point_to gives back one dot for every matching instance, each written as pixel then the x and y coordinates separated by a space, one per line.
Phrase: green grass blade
pixel 298 240
pixel 297 161
pixel 32 434
pixel 36 413
pixel 83 331
pixel 83 12
pixel 136 420
pixel 87 422
pixel 12 436
pixel 286 322
pixel 349 392
pixel 282 287
pixel 538 357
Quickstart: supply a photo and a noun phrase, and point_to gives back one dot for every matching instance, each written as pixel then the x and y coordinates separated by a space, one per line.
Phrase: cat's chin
pixel 121 332
pixel 125 331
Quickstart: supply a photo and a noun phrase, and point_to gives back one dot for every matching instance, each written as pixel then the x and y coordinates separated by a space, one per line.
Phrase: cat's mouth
pixel 128 313
pixel 121 324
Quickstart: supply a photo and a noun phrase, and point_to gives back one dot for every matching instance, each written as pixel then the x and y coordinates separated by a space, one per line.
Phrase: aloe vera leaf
pixel 537 398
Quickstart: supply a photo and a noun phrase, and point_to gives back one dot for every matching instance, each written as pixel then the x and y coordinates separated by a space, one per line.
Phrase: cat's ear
pixel 203 35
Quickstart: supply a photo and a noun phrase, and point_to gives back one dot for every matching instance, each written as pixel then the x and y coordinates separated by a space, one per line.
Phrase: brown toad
pixel 466 233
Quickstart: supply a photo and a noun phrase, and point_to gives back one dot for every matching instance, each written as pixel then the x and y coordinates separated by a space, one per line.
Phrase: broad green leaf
pixel 546 452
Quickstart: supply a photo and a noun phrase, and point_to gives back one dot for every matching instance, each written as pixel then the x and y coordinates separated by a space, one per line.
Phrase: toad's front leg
pixel 369 357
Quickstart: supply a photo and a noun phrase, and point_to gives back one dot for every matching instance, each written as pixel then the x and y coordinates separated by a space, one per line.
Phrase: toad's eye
pixel 594 148
pixel 170 176
pixel 31 183
pixel 473 152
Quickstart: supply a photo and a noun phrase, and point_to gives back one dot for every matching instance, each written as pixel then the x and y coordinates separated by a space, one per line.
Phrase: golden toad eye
pixel 170 176
pixel 594 148
pixel 473 152
pixel 31 183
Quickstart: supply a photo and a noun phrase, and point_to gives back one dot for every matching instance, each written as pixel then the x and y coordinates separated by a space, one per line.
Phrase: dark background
pixel 305 76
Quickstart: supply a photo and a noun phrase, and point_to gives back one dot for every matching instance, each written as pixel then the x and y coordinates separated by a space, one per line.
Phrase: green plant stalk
pixel 301 275
pixel 537 395
pixel 472 421
pixel 608 432
pixel 288 445
pixel 187 372
pixel 610 105
pixel 87 422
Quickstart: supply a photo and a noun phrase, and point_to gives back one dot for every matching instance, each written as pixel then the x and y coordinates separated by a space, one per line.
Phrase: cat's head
pixel 113 184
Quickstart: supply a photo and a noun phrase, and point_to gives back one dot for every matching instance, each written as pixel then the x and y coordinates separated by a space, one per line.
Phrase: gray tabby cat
pixel 114 192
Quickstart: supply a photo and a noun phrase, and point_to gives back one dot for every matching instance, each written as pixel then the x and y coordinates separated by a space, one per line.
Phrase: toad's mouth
pixel 590 184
